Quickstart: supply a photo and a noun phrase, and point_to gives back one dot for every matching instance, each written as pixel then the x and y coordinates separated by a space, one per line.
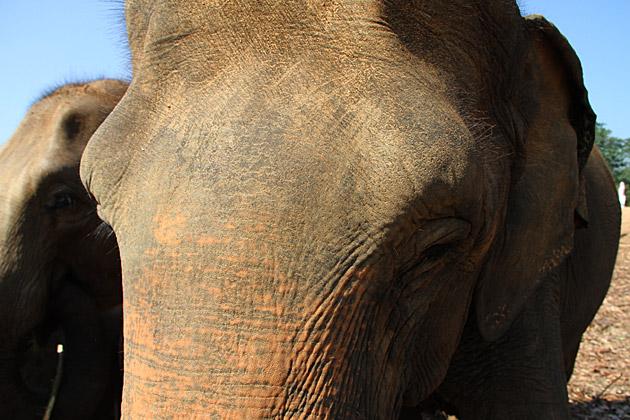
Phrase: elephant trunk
pixel 86 363
pixel 25 366
pixel 18 401
pixel 265 358
pixel 87 360
pixel 232 323
pixel 246 375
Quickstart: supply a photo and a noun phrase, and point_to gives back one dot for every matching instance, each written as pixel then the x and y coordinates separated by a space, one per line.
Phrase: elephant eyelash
pixel 436 257
pixel 62 200
pixel 438 251
pixel 103 232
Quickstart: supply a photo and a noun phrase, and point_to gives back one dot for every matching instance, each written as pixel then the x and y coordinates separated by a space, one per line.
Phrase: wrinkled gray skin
pixel 59 277
pixel 315 201
pixel 478 368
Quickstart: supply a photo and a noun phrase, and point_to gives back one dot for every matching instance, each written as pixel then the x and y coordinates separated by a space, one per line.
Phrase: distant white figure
pixel 622 193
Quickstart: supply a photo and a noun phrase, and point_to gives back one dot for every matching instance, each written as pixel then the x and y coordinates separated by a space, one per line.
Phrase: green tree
pixel 616 151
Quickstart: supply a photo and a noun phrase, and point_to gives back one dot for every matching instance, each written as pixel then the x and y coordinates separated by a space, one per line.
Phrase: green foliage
pixel 616 151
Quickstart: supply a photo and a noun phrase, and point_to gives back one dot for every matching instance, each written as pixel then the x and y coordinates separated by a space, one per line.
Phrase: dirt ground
pixel 600 385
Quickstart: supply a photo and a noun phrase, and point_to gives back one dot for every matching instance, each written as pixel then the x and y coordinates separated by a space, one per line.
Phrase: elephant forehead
pixel 22 155
pixel 38 140
pixel 361 152
pixel 233 209
pixel 331 161
pixel 294 120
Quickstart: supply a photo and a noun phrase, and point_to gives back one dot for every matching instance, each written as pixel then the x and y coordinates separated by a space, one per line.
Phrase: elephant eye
pixel 437 251
pixel 62 200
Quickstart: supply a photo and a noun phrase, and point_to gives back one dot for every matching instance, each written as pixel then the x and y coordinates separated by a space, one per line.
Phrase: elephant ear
pixel 545 199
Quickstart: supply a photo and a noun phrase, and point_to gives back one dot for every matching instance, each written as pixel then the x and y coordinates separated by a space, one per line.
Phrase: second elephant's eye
pixel 62 200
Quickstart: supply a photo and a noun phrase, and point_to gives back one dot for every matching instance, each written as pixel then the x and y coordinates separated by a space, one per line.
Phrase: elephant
pixel 60 280
pixel 320 206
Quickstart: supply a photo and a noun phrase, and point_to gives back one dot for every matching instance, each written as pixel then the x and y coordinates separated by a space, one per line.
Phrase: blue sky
pixel 45 43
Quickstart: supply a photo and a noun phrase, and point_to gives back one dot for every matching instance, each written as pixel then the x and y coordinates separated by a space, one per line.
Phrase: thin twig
pixel 56 384
pixel 608 387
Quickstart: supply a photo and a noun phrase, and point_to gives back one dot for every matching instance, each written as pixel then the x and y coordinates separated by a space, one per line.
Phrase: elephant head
pixel 309 196
pixel 58 274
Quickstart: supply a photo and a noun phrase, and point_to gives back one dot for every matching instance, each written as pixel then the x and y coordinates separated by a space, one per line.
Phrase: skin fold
pixel 323 208
pixel 59 272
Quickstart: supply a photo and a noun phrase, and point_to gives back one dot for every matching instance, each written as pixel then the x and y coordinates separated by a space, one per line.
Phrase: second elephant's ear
pixel 544 198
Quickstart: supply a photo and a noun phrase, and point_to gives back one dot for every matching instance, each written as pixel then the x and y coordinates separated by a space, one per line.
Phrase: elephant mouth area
pixel 37 356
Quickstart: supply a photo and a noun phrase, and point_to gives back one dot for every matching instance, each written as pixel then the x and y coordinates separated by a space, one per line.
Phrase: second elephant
pixel 59 277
